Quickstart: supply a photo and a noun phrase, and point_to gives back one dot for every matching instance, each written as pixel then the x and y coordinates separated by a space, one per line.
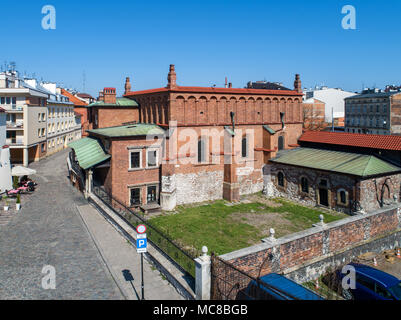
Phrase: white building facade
pixel 334 98
pixel 40 121
pixel 62 127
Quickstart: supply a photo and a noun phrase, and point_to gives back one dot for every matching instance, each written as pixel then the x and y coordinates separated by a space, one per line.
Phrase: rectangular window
pixel 151 195
pixel 135 159
pixel 8 100
pixel 43 147
pixel 3 100
pixel 135 196
pixel 152 158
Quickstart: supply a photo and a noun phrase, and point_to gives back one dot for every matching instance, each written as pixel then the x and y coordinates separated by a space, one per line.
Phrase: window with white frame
pixel 135 159
pixel 151 158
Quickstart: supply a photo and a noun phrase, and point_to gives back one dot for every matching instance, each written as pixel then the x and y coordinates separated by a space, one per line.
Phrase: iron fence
pixel 182 257
pixel 231 283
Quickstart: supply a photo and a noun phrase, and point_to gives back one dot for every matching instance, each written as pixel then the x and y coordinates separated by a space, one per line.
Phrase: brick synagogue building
pixel 159 148
pixel 168 146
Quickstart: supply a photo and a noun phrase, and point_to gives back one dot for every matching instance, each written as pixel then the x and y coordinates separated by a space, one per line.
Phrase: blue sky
pixel 206 40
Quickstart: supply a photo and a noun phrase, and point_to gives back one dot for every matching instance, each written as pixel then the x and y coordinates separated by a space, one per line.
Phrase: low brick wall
pixel 312 251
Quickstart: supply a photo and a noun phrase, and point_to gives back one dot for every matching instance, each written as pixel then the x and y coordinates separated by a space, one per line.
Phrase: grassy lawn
pixel 224 227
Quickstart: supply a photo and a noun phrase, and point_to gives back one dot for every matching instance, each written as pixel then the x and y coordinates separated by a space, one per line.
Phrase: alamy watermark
pixel 349 20
pixel 49 280
pixel 348 281
pixel 49 20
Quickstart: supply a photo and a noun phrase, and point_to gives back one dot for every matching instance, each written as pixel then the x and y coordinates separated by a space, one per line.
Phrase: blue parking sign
pixel 141 245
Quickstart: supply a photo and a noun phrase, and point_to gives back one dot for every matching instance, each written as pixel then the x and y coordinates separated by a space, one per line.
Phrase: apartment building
pixel 374 112
pixel 35 113
pixel 25 105
pixel 62 127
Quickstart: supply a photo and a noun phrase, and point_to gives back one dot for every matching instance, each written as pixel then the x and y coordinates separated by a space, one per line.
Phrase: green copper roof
pixel 335 161
pixel 268 129
pixel 230 130
pixel 89 152
pixel 139 129
pixel 120 102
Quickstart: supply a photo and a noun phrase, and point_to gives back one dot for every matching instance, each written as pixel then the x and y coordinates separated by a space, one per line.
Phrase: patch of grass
pixel 213 225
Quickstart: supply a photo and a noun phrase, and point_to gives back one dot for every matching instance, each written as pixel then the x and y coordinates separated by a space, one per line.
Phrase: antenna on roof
pixel 83 81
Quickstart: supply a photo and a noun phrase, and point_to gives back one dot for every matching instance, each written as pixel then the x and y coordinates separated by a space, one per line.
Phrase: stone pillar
pixel 90 180
pixel 202 276
pixel 230 183
pixel 168 199
pixel 88 183
pixel 25 157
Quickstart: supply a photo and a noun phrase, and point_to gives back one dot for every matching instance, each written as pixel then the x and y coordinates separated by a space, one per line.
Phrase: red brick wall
pixel 110 117
pixel 346 235
pixel 317 243
pixel 120 176
pixel 84 119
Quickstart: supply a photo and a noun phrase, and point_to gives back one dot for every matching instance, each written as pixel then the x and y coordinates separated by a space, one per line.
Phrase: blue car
pixel 276 287
pixel 372 284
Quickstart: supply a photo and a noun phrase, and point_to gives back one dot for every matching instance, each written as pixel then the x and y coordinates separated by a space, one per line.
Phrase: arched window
pixel 304 185
pixel 244 147
pixel 280 143
pixel 201 151
pixel 342 197
pixel 280 179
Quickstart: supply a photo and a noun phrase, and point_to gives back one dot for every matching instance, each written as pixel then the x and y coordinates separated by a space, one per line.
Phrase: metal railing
pixel 182 257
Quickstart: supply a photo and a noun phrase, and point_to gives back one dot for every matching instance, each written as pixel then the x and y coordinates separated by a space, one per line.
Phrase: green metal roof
pixel 120 102
pixel 139 129
pixel 268 129
pixel 230 130
pixel 89 152
pixel 342 162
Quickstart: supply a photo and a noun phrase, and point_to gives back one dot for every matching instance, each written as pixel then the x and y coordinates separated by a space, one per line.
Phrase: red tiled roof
pixel 84 95
pixel 384 142
pixel 73 98
pixel 217 90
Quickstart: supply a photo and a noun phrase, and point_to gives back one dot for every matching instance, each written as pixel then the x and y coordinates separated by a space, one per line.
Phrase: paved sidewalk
pixel 49 231
pixel 124 262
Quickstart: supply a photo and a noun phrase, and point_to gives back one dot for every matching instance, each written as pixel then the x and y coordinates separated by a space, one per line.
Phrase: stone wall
pixel 367 191
pixel 198 187
pixel 292 185
pixel 314 250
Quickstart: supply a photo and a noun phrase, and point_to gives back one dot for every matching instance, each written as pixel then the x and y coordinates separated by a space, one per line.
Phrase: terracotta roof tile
pixel 73 98
pixel 385 142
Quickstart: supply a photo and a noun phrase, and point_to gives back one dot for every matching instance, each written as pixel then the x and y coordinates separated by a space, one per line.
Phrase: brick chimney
pixel 109 95
pixel 127 85
pixel 101 97
pixel 297 84
pixel 230 85
pixel 171 78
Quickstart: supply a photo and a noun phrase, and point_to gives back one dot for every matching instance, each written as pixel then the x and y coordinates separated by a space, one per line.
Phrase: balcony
pixel 18 125
pixel 15 141
pixel 11 108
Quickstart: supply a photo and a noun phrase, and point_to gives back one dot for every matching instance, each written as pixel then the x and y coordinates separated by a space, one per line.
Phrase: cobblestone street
pixel 49 231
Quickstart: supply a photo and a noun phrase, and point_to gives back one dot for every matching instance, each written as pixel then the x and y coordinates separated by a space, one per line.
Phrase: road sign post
pixel 141 247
